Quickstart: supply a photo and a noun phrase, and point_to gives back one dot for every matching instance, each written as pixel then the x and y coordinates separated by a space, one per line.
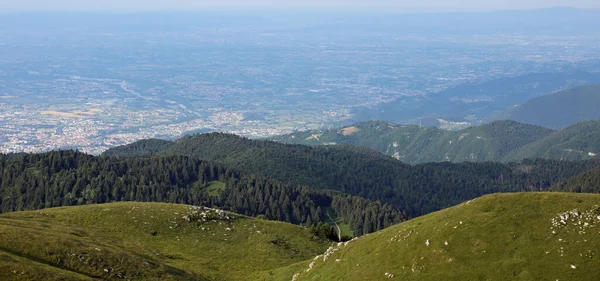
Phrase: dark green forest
pixel 293 183
pixel 588 182
pixel 66 178
pixel 415 190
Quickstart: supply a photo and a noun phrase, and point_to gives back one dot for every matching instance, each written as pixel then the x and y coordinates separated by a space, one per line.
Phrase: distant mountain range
pixel 494 100
pixel 496 141
pixel 560 109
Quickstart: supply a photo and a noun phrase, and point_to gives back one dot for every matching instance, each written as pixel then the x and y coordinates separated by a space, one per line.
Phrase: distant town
pixel 168 84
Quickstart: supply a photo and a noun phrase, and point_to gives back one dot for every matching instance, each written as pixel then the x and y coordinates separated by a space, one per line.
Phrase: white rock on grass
pixel 310 266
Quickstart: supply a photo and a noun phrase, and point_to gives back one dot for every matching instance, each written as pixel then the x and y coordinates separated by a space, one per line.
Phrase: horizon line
pixel 314 10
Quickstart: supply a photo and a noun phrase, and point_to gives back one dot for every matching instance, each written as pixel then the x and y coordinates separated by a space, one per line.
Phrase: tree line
pixel 357 171
pixel 67 178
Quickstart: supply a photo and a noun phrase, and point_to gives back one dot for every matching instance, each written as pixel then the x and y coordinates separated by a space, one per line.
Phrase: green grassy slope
pixel 145 241
pixel 414 144
pixel 577 142
pixel 560 109
pixel 517 236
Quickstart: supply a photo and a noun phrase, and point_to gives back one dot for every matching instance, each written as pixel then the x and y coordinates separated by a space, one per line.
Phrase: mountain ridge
pixel 414 190
pixel 475 102
pixel 576 142
pixel 560 109
pixel 414 144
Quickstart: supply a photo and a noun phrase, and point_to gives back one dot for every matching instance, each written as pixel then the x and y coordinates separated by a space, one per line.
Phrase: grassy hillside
pixel 414 144
pixel 523 236
pixel 146 241
pixel 560 109
pixel 580 141
pixel 519 236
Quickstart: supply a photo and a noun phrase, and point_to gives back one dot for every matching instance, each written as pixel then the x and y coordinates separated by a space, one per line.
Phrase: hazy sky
pixel 396 5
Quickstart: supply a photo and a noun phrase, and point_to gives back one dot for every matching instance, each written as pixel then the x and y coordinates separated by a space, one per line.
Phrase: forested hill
pixel 414 144
pixel 580 141
pixel 414 190
pixel 321 167
pixel 66 178
pixel 587 182
pixel 560 109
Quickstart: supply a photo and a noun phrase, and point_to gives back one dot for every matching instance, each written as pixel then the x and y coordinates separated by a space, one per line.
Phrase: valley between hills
pixel 299 140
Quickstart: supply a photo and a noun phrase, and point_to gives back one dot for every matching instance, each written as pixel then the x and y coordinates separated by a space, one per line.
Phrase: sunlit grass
pixel 149 241
pixel 496 237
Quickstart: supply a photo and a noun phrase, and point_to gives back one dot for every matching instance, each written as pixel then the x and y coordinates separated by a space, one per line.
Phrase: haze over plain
pixel 186 5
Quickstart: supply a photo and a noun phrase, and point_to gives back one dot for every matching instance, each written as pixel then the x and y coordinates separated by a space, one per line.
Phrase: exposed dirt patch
pixel 314 137
pixel 74 114
pixel 60 114
pixel 350 130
